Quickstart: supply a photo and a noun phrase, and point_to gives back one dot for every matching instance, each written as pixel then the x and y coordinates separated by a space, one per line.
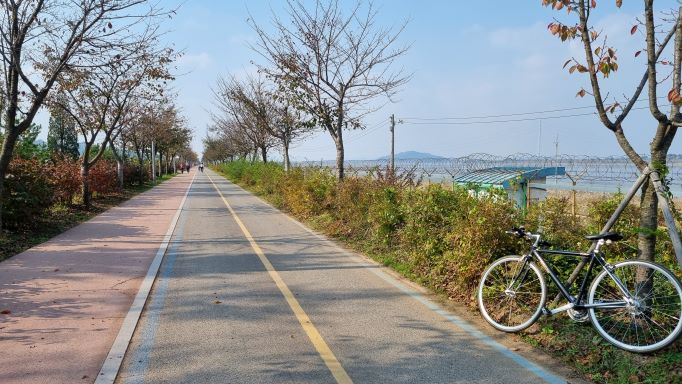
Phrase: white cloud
pixel 196 61
pixel 242 39
pixel 521 38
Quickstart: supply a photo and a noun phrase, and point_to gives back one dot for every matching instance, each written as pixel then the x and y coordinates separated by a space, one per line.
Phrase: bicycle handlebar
pixel 521 232
pixel 602 239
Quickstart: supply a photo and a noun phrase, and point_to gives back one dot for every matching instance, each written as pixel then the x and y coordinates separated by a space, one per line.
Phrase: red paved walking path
pixel 69 295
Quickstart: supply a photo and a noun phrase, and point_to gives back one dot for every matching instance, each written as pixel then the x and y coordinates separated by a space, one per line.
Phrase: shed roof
pixel 503 175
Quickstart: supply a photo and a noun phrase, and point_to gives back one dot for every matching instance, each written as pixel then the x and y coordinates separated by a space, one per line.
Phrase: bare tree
pixel 288 125
pixel 171 135
pixel 242 106
pixel 217 149
pixel 271 109
pixel 602 59
pixel 40 39
pixel 333 64
pixel 99 98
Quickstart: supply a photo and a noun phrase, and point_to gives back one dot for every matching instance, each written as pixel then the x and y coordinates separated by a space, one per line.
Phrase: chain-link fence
pixel 582 173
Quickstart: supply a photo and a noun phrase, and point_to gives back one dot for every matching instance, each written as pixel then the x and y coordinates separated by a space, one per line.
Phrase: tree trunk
pixel 264 153
pixel 85 171
pixel 5 158
pixel 339 156
pixel 140 169
pixel 119 165
pixel 287 164
pixel 648 222
pixel 119 170
pixel 648 219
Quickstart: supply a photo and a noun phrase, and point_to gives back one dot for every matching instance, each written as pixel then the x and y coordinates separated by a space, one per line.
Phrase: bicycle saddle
pixel 613 236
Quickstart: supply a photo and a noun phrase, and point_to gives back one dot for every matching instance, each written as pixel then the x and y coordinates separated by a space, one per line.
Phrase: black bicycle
pixel 636 305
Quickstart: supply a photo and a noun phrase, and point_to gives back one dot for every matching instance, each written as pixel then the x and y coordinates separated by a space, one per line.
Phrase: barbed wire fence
pixel 582 173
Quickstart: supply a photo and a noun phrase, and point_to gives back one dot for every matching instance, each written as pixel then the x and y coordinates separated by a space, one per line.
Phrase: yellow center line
pixel 320 345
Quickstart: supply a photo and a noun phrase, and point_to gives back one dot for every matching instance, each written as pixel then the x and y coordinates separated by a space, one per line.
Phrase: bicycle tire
pixel 649 322
pixel 504 307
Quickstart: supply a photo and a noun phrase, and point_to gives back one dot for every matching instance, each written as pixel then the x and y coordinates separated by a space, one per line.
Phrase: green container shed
pixel 521 183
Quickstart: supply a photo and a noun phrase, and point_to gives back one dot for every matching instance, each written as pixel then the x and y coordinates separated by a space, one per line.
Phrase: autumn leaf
pixel 597 51
pixel 581 93
pixel 566 63
pixel 572 69
pixel 5 312
pixel 637 53
pixel 619 3
pixel 633 29
pixel 672 94
pixel 594 3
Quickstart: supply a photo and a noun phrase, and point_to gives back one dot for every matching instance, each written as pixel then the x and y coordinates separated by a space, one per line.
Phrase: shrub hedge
pixel 28 193
pixel 441 235
pixel 33 185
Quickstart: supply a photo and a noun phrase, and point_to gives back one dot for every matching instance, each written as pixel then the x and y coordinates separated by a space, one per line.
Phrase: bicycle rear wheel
pixel 650 319
pixel 511 294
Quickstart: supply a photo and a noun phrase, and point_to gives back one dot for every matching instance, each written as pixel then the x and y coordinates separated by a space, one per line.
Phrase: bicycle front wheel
pixel 646 321
pixel 511 294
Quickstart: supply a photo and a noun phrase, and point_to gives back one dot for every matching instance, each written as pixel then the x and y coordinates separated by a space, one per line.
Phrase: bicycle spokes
pixel 644 318
pixel 511 294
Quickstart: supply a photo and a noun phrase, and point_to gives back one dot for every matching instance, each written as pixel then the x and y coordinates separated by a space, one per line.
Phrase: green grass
pixel 60 218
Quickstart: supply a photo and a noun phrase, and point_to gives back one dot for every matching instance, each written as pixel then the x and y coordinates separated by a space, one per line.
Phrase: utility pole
pixel 540 140
pixel 556 159
pixel 153 162
pixel 392 144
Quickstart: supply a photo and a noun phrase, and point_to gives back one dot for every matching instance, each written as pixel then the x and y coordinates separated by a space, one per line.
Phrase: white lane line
pixel 112 363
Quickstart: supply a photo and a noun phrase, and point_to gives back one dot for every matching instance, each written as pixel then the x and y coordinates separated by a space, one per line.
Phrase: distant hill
pixel 412 155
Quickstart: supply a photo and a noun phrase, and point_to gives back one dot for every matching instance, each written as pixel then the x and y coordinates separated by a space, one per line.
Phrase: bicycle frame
pixel 595 257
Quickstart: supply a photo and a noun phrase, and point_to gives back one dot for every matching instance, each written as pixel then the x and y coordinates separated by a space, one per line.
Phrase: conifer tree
pixel 61 136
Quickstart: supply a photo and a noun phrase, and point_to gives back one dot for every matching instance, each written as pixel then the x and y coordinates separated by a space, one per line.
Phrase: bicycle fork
pixel 518 280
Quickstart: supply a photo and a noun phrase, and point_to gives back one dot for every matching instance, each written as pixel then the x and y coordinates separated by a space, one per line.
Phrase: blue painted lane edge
pixel 471 330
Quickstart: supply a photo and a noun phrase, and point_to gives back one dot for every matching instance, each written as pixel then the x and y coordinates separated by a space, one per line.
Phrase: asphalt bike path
pixel 65 301
pixel 245 294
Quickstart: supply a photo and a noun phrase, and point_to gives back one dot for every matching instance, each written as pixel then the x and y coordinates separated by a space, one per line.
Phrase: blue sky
pixel 468 58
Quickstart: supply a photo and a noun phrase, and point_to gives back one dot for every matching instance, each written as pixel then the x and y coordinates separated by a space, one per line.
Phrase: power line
pixel 511 114
pixel 496 121
pixel 350 139
pixel 406 120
